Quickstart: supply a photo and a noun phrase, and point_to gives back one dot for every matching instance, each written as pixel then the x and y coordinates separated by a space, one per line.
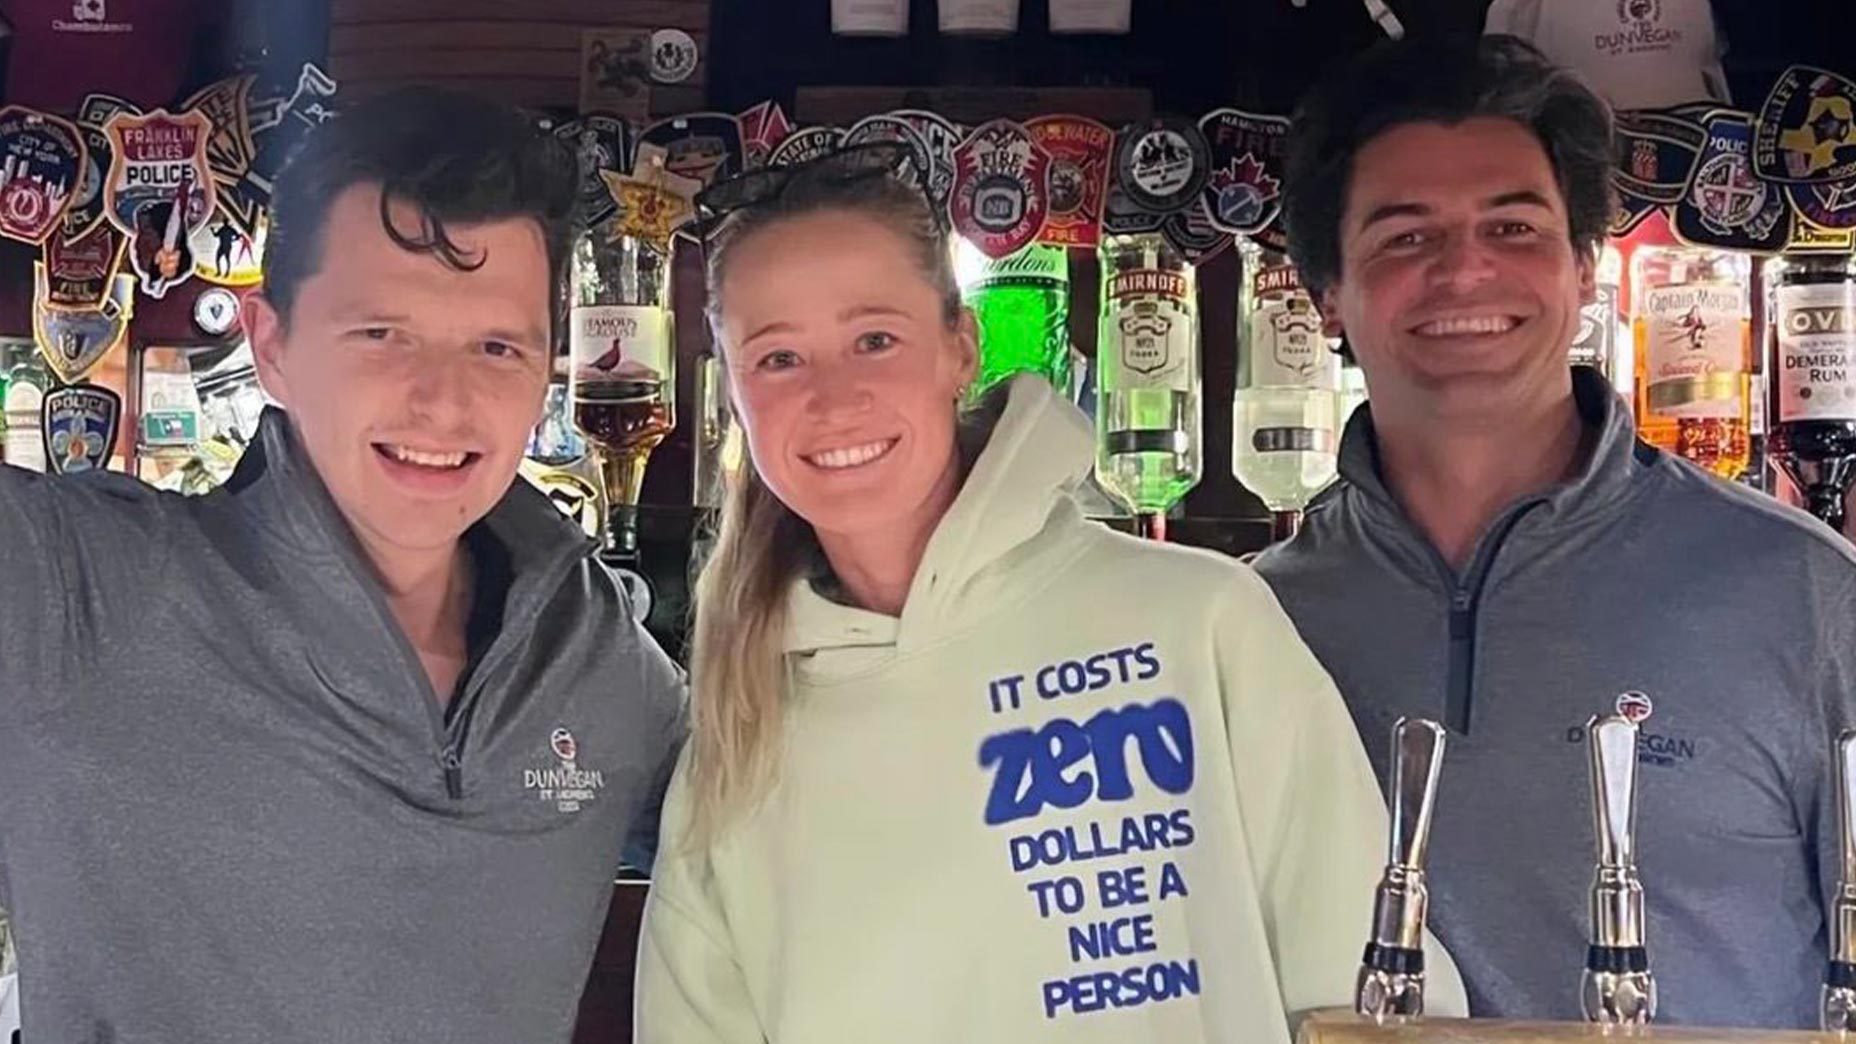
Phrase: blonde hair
pixel 738 660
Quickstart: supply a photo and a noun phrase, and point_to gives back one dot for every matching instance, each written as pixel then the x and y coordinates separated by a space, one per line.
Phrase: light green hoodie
pixel 1086 788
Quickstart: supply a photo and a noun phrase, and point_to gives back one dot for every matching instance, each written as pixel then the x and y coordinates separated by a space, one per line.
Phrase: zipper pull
pixel 454 773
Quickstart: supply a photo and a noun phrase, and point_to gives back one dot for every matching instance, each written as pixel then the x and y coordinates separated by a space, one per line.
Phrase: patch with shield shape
pixel 1001 188
pixel 79 271
pixel 1728 204
pixel 1655 158
pixel 41 172
pixel 75 340
pixel 704 147
pixel 79 424
pixel 1807 128
pixel 1080 152
pixel 1243 192
pixel 159 191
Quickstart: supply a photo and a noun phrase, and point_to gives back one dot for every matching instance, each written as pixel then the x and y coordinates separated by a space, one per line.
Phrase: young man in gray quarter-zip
pixel 348 749
pixel 1504 556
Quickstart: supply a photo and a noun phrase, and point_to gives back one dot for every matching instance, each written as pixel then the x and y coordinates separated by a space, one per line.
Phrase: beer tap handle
pixel 1391 979
pixel 1617 987
pixel 1418 750
pixel 1614 783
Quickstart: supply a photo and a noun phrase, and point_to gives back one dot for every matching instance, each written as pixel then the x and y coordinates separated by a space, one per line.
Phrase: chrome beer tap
pixel 1617 987
pixel 1838 1010
pixel 1391 980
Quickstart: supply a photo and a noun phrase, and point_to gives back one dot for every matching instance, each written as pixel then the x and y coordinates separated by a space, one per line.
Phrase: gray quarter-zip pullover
pixel 1734 614
pixel 231 809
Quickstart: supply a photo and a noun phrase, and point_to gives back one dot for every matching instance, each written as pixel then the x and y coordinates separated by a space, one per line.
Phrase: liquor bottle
pixel 1022 305
pixel 1691 318
pixel 623 355
pixel 1811 325
pixel 1147 356
pixel 1284 413
pixel 26 383
pixel 1596 344
pixel 1757 474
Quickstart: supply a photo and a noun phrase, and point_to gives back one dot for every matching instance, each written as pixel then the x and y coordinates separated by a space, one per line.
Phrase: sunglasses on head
pixel 766 185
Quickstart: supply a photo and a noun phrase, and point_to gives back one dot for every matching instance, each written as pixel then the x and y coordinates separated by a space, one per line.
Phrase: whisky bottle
pixel 623 358
pixel 26 382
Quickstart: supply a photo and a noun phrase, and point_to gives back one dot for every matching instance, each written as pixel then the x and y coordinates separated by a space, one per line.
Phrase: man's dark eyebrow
pixel 1527 196
pixel 1392 210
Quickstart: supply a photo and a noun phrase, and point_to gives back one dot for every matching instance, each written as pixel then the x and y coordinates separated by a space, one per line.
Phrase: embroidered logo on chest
pixel 564 784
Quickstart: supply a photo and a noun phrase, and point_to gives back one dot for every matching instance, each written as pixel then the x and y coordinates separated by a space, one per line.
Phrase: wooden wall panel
pixel 527 53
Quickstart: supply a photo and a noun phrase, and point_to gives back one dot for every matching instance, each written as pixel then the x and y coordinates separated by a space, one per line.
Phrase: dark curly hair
pixel 1440 80
pixel 455 156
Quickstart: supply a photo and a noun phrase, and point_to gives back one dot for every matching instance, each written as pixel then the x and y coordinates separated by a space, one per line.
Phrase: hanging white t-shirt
pixel 1639 54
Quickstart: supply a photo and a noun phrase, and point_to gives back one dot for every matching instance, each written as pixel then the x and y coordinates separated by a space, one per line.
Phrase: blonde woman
pixel 966 765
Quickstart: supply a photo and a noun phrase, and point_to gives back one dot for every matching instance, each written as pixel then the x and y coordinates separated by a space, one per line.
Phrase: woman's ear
pixel 967 344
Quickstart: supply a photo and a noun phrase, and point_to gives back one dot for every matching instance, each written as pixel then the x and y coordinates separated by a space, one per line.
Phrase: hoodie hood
pixel 1024 479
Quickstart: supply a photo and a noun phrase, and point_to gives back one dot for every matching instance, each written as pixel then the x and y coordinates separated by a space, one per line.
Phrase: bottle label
pixel 1155 330
pixel 1816 351
pixel 619 344
pixel 1034 263
pixel 1598 328
pixel 1696 352
pixel 1287 349
pixel 25 446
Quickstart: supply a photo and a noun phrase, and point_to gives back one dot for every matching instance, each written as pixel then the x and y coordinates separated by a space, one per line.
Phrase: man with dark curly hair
pixel 1503 555
pixel 349 749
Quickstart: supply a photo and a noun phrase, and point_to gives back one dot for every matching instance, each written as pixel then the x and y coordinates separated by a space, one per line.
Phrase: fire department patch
pixel 1001 188
pixel 1243 193
pixel 1080 150
pixel 41 172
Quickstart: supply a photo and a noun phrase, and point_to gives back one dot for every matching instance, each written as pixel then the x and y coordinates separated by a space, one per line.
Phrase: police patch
pixel 86 212
pixel 74 340
pixel 42 172
pixel 159 191
pixel 1727 204
pixel 939 137
pixel 1243 193
pixel 885 127
pixel 805 145
pixel 1001 188
pixel 600 142
pixel 1807 128
pixel 1193 233
pixel 704 147
pixel 79 425
pixel 1080 150
pixel 1162 164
